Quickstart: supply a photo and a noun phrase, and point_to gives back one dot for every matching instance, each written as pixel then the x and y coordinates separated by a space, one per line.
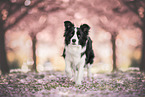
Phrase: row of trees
pixel 124 13
pixel 10 16
pixel 30 15
pixel 121 13
pixel 13 12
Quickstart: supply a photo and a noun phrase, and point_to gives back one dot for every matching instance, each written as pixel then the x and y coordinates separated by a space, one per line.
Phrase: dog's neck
pixel 73 49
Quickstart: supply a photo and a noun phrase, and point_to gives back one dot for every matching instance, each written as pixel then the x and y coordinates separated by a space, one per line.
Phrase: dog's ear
pixel 68 25
pixel 85 28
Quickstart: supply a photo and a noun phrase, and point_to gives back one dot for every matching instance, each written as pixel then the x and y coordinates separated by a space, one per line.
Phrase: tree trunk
pixel 113 40
pixel 34 41
pixel 3 56
pixel 142 64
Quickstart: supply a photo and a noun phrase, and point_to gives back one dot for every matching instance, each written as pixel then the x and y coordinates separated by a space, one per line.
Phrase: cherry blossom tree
pixel 113 17
pixel 138 8
pixel 37 20
pixel 11 12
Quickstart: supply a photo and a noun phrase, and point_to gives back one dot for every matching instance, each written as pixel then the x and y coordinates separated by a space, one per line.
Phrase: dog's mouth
pixel 73 43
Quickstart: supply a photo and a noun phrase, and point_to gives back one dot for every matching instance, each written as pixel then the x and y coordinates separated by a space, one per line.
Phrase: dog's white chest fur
pixel 73 54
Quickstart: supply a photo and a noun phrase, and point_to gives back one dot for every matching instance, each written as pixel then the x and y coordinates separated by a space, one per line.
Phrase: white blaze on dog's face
pixel 75 39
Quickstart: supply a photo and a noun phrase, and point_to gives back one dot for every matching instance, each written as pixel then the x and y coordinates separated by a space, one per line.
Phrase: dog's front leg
pixel 75 75
pixel 68 69
pixel 80 75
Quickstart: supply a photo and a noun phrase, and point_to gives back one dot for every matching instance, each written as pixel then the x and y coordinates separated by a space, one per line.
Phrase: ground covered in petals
pixel 130 83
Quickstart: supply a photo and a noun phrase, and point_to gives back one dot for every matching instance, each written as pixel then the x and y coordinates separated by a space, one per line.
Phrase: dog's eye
pixel 79 36
pixel 71 34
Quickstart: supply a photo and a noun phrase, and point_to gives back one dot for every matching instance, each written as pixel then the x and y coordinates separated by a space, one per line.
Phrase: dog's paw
pixel 72 79
pixel 78 83
pixel 89 78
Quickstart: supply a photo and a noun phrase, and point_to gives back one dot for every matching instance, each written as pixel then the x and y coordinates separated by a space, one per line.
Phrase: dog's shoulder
pixel 89 44
pixel 89 52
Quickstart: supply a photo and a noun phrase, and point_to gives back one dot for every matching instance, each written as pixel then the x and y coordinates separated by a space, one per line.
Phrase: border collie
pixel 78 52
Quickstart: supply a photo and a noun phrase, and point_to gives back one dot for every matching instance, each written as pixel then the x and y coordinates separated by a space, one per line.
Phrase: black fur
pixel 69 31
pixel 83 39
pixel 89 52
pixel 63 53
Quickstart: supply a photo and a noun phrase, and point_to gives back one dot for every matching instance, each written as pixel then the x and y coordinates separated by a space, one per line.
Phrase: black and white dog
pixel 78 52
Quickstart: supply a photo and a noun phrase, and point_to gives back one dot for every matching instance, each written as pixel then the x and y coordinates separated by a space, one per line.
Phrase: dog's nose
pixel 73 40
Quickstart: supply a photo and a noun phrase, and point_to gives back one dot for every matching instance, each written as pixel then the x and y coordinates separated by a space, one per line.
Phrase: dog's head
pixel 75 35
